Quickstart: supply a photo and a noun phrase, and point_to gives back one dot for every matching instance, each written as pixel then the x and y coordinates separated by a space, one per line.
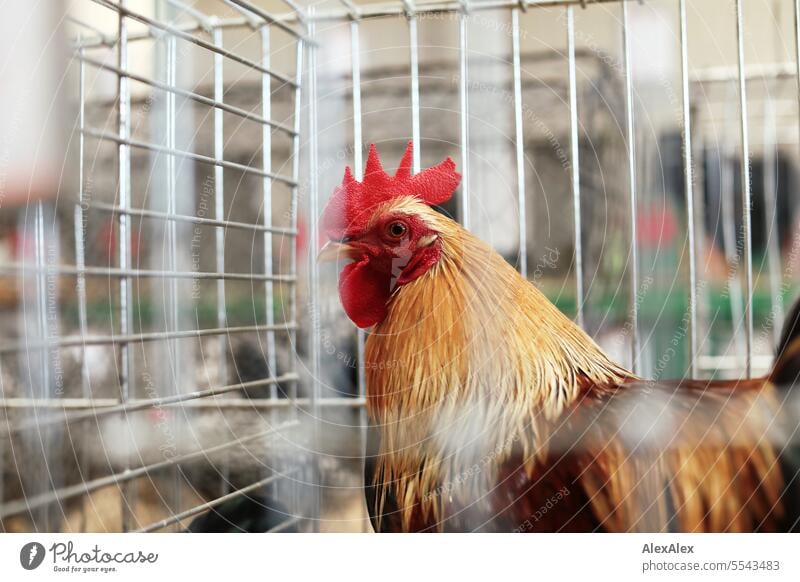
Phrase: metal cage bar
pixel 413 42
pixel 134 143
pixel 769 184
pixel 313 275
pixel 688 186
pixel 217 102
pixel 294 203
pixel 519 143
pixel 173 304
pixel 266 186
pixel 220 221
pixel 143 403
pixel 80 259
pixel 126 282
pixel 630 138
pixel 358 157
pixel 746 194
pixel 178 33
pixel 219 215
pixel 575 171
pixel 123 274
pixel 463 56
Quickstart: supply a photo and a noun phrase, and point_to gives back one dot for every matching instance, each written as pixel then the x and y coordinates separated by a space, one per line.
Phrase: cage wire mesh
pixel 173 358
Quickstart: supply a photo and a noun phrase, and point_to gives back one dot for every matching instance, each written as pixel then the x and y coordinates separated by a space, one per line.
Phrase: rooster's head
pixel 384 228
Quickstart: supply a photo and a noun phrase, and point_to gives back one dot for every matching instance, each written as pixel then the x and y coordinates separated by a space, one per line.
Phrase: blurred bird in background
pixel 492 411
pixel 253 513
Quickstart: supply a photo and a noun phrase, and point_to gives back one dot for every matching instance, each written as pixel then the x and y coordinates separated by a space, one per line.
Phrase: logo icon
pixel 31 555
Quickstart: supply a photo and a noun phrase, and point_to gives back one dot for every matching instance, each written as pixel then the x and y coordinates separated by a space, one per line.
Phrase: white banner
pixel 410 558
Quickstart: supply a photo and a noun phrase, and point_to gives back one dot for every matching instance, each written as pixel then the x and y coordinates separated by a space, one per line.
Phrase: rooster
pixel 489 410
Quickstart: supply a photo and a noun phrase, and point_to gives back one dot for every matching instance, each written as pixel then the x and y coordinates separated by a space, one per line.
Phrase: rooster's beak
pixel 333 251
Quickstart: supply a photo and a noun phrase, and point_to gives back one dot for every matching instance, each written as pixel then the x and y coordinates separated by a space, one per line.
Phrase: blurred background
pixel 163 163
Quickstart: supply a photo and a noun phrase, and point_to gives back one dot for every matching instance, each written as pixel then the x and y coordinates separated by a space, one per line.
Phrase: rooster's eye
pixel 396 229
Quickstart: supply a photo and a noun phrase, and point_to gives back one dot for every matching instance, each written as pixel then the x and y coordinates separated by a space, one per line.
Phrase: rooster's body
pixel 492 411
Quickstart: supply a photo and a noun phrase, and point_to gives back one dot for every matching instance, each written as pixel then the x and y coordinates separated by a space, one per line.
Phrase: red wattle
pixel 364 292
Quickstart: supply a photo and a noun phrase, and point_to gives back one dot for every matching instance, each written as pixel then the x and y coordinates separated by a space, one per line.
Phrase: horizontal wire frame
pixel 349 11
pixel 399 8
pixel 277 230
pixel 67 411
pixel 270 18
pixel 217 403
pixel 142 404
pixel 102 135
pixel 22 505
pixel 17 268
pixel 178 33
pixel 218 501
pixel 117 339
pixel 243 113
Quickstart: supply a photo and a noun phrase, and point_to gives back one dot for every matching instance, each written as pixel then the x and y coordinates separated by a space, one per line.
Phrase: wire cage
pixel 173 358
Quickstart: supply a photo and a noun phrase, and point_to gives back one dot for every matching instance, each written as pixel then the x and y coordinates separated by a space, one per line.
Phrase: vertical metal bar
pixel 298 106
pixel 355 57
pixel 173 303
pixel 266 162
pixel 80 261
pixel 219 232
pixel 728 170
pixel 519 144
pixel 575 162
pixel 313 280
pixel 293 218
pixel 688 186
pixel 463 47
pixel 413 42
pixel 797 57
pixel 771 217
pixel 45 435
pixel 358 167
pixel 746 194
pixel 630 136
pixel 126 283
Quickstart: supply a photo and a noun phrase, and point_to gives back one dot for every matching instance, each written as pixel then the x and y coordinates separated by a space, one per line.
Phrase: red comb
pixel 349 208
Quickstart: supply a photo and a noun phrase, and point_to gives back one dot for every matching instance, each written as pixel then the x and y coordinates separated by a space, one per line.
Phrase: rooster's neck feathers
pixel 474 317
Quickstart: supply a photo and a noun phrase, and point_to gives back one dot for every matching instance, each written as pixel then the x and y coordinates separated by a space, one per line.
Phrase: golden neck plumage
pixel 468 357
pixel 473 327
